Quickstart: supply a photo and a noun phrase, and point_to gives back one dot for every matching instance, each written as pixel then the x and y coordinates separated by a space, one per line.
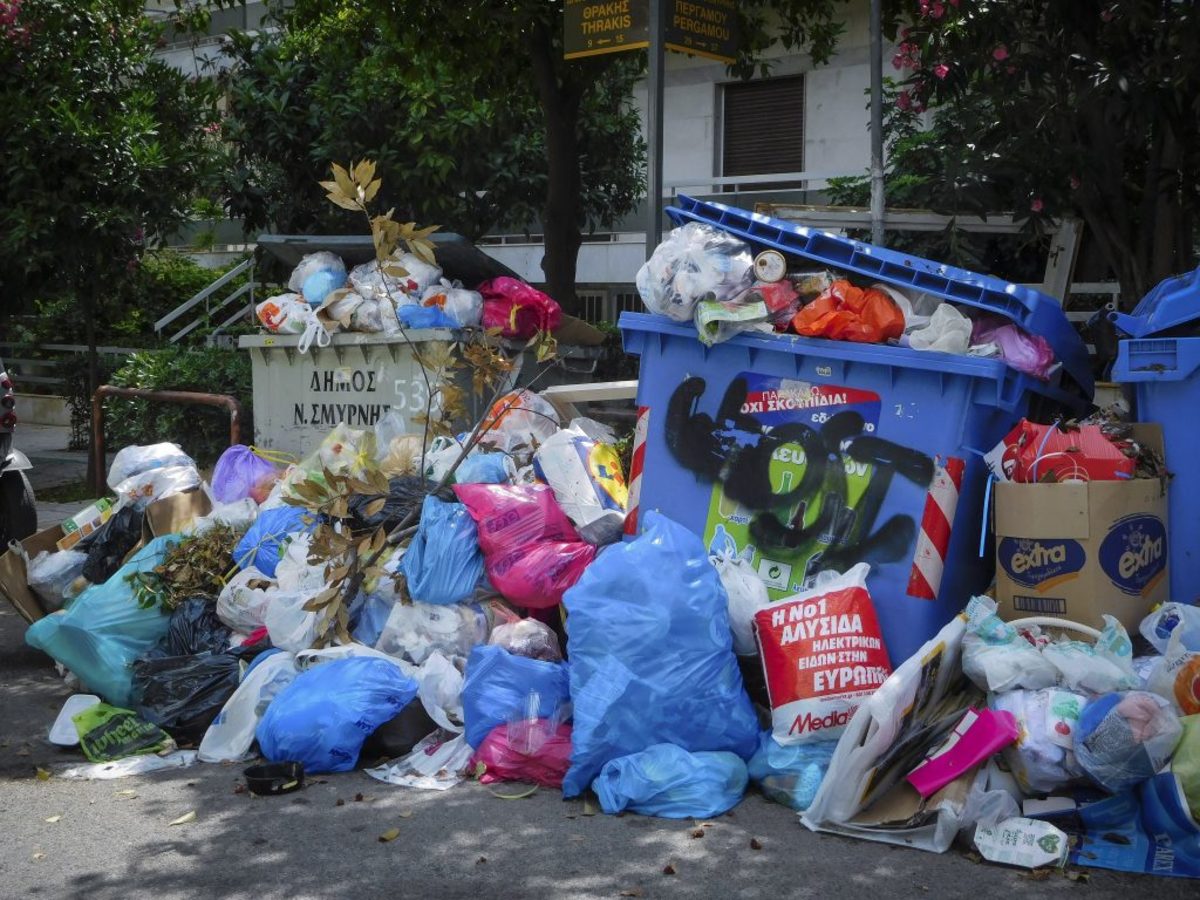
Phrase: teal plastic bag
pixel 665 780
pixel 651 654
pixel 443 564
pixel 105 629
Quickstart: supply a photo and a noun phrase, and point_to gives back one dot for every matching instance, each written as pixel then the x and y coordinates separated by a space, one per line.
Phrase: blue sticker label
pixel 1031 562
pixel 1134 553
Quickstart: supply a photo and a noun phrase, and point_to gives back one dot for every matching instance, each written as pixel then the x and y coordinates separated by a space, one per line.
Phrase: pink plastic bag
pixel 1028 353
pixel 506 760
pixel 517 309
pixel 241 473
pixel 531 550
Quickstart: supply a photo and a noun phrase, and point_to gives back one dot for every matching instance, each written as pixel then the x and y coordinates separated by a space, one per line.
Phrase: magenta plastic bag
pixel 241 473
pixel 532 552
pixel 517 309
pixel 1028 353
pixel 544 760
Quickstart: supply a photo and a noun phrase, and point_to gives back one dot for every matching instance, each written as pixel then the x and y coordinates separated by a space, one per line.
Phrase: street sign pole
pixel 654 124
pixel 877 197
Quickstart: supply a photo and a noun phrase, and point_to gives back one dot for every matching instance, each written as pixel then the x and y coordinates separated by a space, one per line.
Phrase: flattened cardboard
pixel 174 513
pixel 14 579
pixel 1082 550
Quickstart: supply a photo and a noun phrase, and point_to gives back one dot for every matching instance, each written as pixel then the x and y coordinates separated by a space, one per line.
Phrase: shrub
pixel 202 431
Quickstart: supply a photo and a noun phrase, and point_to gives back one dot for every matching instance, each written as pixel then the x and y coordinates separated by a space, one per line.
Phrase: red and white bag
pixel 822 654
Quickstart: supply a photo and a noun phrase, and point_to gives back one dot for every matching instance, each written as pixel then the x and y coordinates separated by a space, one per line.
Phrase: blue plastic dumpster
pixel 805 455
pixel 1164 373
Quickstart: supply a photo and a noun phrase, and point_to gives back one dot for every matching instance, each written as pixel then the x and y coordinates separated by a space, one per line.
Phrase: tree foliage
pixel 1058 107
pixel 103 146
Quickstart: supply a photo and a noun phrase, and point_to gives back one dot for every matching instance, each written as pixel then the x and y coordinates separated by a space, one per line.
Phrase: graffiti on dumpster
pixel 799 475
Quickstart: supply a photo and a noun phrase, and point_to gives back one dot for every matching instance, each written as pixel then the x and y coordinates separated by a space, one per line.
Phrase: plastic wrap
pixel 747 595
pixel 527 637
pixel 999 658
pixel 50 575
pixel 790 775
pixel 137 459
pixel 1043 757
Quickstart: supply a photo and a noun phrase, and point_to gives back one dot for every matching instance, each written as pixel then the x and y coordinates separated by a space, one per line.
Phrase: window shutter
pixel 764 127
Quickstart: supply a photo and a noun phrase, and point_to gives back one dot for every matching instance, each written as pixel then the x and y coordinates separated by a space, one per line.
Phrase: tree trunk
pixel 559 99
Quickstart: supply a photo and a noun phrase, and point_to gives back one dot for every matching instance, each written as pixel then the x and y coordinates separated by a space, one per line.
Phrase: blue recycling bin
pixel 806 455
pixel 1163 373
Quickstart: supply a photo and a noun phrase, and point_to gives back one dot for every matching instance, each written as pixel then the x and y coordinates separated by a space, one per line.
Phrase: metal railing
pixel 41 365
pixel 213 304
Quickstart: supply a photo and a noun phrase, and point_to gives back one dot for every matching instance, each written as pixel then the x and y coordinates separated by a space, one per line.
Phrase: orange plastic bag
pixel 849 313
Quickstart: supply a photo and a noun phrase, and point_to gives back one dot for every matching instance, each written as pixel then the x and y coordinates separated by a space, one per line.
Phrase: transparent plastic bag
pixel 463 306
pixel 231 734
pixel 368 281
pixel 588 483
pixel 527 637
pixel 948 331
pixel 747 595
pixel 997 657
pixel 519 422
pixel 415 631
pixel 242 472
pixel 137 459
pixel 316 275
pixel 243 601
pixel 436 763
pixel 1176 676
pixel 1043 758
pixel 694 262
pixel 1098 668
pixel 1160 626
pixel 440 691
pixel 139 491
pixel 285 314
pixel 50 575
pixel 1125 738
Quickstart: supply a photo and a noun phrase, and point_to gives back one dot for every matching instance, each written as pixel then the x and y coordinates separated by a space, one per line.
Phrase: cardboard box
pixel 14 579
pixel 1080 550
pixel 166 516
pixel 83 523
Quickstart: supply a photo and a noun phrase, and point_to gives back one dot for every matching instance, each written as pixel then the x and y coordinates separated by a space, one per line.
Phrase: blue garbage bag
pixel 651 654
pixel 105 629
pixel 443 563
pixel 322 718
pixel 483 468
pixel 413 315
pixel 266 540
pixel 368 617
pixel 665 780
pixel 790 774
pixel 498 684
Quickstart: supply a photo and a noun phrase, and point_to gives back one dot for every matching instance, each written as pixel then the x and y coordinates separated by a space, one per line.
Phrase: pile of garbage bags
pixel 706 276
pixel 324 297
pixel 509 629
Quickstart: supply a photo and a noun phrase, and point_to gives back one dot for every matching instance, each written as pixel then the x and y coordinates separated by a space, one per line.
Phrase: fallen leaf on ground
pixel 755 844
pixel 589 808
pixel 184 819
pixel 53 819
pixel 42 774
pixel 698 833
pixel 1076 875
pixel 632 892
pixel 481 860
pixel 390 835
pixel 340 802
pixel 358 798
pixel 1037 874
pixel 39 856
pixel 127 794
pixel 405 814
pixel 23 752
pixel 669 869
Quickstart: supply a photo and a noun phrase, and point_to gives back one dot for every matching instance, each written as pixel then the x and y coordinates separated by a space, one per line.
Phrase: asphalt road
pixel 111 839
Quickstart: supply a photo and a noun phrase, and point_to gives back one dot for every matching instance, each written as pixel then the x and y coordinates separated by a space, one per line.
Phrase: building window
pixel 763 127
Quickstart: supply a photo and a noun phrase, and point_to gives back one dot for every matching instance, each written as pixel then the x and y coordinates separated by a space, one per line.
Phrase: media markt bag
pixel 823 654
pixel 1078 550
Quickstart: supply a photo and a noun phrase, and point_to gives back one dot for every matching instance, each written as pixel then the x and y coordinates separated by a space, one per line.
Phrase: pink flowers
pixel 933 8
pixel 1000 54
pixel 941 70
pixel 908 56
pixel 1075 182
pixel 904 101
pixel 1037 205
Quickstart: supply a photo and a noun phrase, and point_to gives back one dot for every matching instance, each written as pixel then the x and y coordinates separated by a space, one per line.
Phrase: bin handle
pixel 1052 622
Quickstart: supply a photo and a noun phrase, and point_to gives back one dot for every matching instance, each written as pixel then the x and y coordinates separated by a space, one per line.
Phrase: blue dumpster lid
pixel 1173 301
pixel 1034 311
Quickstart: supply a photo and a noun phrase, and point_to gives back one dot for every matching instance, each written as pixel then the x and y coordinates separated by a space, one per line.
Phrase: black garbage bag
pixel 183 694
pixel 194 629
pixel 398 736
pixel 405 493
pixel 109 544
